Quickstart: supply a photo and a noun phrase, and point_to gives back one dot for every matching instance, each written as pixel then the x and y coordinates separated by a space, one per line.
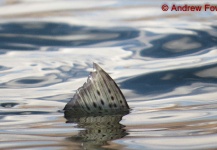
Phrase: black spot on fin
pixel 99 86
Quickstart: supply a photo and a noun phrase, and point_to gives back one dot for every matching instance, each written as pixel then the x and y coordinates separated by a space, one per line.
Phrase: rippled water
pixel 164 62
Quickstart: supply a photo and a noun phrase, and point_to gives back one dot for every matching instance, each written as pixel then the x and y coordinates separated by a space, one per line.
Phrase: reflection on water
pixel 98 130
pixel 174 45
pixel 32 82
pixel 167 81
pixel 8 105
pixel 34 35
pixel 164 62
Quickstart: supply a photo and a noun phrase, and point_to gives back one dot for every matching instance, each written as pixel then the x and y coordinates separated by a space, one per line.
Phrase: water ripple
pixel 164 62
pixel 29 36
pixel 206 142
pixel 167 81
pixel 174 45
pixel 31 82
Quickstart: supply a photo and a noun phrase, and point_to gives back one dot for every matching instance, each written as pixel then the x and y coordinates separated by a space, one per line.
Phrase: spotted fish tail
pixel 100 94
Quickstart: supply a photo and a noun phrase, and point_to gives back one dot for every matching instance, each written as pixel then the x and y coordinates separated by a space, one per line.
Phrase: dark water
pixel 164 62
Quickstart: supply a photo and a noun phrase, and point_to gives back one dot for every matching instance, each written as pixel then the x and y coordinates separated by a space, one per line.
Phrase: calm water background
pixel 164 62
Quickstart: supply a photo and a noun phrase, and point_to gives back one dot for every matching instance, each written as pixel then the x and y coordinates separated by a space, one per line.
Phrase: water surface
pixel 164 62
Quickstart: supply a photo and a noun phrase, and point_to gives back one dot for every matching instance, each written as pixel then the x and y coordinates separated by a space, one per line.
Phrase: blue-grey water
pixel 164 62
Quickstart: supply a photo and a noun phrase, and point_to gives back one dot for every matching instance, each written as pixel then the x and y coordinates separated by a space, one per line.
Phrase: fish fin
pixel 100 94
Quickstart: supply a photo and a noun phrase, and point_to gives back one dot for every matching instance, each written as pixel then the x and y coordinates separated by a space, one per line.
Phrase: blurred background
pixel 163 61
